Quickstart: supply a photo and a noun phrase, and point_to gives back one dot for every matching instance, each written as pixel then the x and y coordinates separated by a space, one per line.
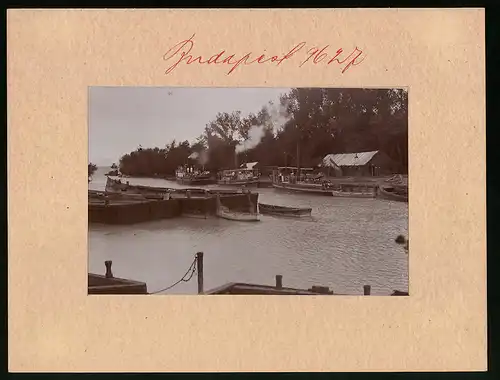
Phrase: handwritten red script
pixel 181 53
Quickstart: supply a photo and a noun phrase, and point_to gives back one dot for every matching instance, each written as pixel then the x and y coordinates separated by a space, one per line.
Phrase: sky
pixel 122 118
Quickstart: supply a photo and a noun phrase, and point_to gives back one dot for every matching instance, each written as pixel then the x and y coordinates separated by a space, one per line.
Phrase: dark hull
pixel 196 181
pixel 303 188
pixel 263 183
pixel 284 211
pixel 246 183
pixel 113 187
pixel 353 194
pixel 386 193
pixel 237 216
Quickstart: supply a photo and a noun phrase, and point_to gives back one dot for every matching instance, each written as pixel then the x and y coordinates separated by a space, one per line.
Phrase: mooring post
pixel 251 206
pixel 109 273
pixel 217 202
pixel 199 266
pixel 366 290
pixel 279 281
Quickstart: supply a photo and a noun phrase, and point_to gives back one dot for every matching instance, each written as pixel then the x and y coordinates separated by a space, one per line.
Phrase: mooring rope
pixel 190 272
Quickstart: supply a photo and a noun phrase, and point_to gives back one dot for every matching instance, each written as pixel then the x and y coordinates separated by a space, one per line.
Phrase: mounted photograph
pixel 265 191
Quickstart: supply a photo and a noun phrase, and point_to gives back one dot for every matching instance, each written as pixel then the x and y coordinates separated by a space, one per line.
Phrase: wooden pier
pixel 108 284
pixel 239 288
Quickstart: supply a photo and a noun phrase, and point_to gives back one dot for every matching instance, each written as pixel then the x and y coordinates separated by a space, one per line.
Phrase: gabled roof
pixel 349 159
pixel 248 165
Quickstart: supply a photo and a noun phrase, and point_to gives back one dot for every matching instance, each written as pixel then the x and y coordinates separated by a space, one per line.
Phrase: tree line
pixel 92 169
pixel 306 125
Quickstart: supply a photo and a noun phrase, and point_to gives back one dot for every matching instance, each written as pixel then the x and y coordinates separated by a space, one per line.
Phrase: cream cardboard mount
pixel 55 55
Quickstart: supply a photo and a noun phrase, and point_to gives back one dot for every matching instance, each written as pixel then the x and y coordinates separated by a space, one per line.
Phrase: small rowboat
pixel 393 193
pixel 225 213
pixel 353 194
pixel 284 211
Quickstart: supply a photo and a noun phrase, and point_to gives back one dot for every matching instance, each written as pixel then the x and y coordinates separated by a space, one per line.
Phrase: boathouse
pixel 360 164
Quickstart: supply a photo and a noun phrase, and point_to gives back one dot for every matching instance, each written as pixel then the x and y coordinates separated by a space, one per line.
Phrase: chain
pixel 191 270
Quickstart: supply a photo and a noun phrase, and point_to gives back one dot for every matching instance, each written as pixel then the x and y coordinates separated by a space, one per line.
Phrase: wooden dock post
pixel 199 269
pixel 366 290
pixel 109 273
pixel 251 206
pixel 279 281
pixel 218 203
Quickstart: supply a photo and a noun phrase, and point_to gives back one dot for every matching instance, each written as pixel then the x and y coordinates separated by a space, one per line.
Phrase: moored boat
pixel 284 210
pixel 353 191
pixel 239 177
pixel 117 186
pixel 237 215
pixel 294 179
pixel 225 213
pixel 193 177
pixel 306 181
pixel 303 187
pixel 393 193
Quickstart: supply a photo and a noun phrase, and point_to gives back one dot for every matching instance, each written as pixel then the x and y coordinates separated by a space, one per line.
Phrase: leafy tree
pixel 307 124
pixel 92 169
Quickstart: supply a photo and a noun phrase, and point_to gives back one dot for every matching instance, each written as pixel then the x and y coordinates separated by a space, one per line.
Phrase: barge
pixel 127 204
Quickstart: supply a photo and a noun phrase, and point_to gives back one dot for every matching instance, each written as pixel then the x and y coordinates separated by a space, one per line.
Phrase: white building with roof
pixel 372 163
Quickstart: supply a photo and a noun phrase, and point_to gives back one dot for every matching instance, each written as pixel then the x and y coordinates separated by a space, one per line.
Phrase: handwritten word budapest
pixel 181 53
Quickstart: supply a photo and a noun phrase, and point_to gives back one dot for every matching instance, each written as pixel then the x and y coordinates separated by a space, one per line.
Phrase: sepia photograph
pixel 265 191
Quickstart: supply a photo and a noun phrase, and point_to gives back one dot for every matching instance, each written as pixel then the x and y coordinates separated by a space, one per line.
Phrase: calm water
pixel 347 244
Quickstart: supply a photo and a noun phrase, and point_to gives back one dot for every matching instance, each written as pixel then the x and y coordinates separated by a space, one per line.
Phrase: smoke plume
pixel 278 116
pixel 200 157
pixel 203 157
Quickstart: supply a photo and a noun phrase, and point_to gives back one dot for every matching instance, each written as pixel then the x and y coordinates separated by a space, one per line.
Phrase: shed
pixel 372 163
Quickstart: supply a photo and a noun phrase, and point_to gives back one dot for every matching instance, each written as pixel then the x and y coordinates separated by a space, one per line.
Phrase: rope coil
pixel 191 270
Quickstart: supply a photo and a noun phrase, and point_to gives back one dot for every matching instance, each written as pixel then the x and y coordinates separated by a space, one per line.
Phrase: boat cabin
pixel 190 171
pixel 291 174
pixel 240 174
